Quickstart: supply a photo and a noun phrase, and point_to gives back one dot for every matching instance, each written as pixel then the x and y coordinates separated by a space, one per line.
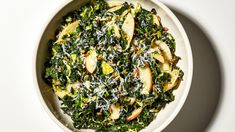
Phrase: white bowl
pixel 51 103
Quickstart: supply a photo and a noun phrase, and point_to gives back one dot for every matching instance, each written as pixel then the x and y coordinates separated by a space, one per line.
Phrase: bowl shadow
pixel 204 95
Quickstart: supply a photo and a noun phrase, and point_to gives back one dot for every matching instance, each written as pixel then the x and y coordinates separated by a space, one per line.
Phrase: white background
pixel 21 22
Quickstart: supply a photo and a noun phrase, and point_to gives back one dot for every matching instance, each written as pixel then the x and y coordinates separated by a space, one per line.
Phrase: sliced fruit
pixel 134 114
pixel 115 8
pixel 156 54
pixel 70 28
pixel 174 80
pixel 115 111
pixel 156 20
pixel 128 28
pixel 155 43
pixel 165 67
pixel 114 3
pixel 158 57
pixel 91 61
pixel 106 68
pixel 146 78
pixel 166 50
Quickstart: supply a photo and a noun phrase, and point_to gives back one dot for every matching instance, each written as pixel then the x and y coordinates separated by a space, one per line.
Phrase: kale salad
pixel 113 66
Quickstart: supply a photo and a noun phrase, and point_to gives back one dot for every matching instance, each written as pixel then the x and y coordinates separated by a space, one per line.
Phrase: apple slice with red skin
pixel 134 114
pixel 166 50
pixel 145 75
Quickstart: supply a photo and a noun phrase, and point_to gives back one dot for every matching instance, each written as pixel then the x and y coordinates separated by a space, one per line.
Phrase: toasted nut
pixel 86 77
pixel 120 88
pixel 82 51
pixel 56 82
pixel 136 72
pixel 165 29
pixel 65 58
pixel 98 113
pixel 159 18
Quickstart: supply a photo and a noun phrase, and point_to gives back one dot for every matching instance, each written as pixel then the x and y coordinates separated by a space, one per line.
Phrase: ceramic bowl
pixel 51 103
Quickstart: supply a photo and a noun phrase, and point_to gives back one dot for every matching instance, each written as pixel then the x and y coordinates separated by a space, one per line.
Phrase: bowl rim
pixel 190 65
pixel 189 73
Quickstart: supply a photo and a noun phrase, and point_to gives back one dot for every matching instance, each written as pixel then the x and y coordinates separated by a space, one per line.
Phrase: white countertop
pixel 22 21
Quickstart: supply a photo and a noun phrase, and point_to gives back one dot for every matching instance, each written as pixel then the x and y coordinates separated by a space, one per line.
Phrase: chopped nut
pixel 99 57
pixel 98 113
pixel 155 88
pixel 86 77
pixel 159 18
pixel 110 62
pixel 136 72
pixel 65 58
pixel 97 19
pixel 119 88
pixel 115 74
pixel 147 64
pixel 154 11
pixel 118 47
pixel 56 82
pixel 165 29
pixel 82 51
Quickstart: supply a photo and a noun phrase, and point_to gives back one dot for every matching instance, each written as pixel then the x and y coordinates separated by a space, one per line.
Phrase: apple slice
pixel 115 111
pixel 91 61
pixel 70 28
pixel 156 20
pixel 114 3
pixel 166 67
pixel 174 80
pixel 128 28
pixel 115 8
pixel 134 114
pixel 166 50
pixel 156 53
pixel 158 57
pixel 146 78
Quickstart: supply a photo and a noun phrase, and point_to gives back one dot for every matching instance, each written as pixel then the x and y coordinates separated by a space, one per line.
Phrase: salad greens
pixel 113 66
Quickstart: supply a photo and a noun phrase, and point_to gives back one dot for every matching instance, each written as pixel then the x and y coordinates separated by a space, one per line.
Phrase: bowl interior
pixel 166 115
